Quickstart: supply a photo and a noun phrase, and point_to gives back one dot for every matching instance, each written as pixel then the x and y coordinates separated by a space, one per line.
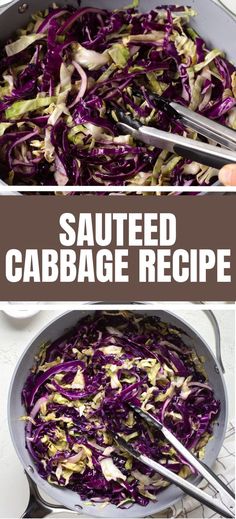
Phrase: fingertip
pixel 227 175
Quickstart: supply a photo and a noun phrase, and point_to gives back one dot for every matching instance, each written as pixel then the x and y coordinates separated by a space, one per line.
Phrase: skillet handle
pixel 37 507
pixel 212 318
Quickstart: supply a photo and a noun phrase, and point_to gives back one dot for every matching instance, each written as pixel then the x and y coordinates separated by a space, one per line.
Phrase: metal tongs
pixel 224 504
pixel 195 150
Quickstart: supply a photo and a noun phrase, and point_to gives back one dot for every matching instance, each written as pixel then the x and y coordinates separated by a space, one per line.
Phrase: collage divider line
pixel 4 190
pixel 124 306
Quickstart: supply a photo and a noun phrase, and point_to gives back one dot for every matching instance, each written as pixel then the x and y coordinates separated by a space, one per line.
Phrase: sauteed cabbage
pixel 62 74
pixel 79 392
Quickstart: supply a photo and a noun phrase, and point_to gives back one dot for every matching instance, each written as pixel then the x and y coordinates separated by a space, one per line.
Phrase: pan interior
pixel 70 499
pixel 211 21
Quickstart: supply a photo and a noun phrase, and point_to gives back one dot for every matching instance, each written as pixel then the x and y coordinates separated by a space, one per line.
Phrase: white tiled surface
pixel 15 335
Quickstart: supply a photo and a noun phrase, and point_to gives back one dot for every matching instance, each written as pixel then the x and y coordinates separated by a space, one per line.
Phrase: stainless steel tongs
pixel 223 505
pixel 195 150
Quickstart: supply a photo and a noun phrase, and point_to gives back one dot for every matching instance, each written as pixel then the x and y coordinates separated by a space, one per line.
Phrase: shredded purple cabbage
pixel 78 394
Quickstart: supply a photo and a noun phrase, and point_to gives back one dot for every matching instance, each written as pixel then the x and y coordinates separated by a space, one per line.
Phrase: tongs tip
pixel 151 420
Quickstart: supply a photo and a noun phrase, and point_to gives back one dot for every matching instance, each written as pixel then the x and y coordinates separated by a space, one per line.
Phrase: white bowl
pixel 21 310
pixel 4 2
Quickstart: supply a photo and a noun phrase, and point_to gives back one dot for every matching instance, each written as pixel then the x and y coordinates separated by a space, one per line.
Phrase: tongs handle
pixel 198 151
pixel 206 127
pixel 226 494
pixel 202 156
pixel 198 122
pixel 220 484
pixel 188 487
pixel 207 154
